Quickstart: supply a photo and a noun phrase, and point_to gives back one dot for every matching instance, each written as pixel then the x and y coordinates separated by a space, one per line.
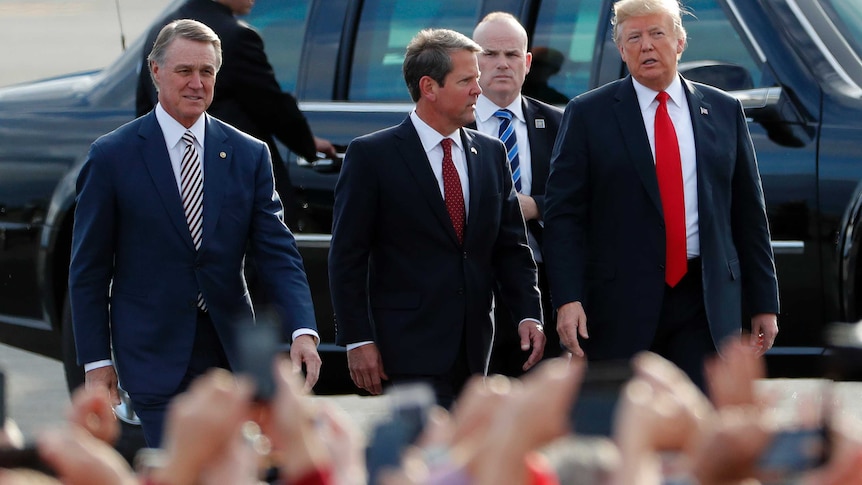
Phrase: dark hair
pixel 428 54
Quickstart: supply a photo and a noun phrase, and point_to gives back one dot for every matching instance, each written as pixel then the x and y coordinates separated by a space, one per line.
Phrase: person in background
pixel 529 128
pixel 248 95
pixel 167 206
pixel 655 221
pixel 426 223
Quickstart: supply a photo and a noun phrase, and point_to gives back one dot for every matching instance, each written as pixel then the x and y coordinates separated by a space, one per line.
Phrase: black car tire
pixel 131 437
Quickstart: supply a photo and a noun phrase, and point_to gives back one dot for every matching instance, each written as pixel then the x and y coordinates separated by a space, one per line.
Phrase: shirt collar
pixel 646 96
pixel 485 108
pixel 173 131
pixel 430 137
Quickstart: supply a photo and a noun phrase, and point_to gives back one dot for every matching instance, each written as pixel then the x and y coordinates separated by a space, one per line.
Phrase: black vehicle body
pixel 800 84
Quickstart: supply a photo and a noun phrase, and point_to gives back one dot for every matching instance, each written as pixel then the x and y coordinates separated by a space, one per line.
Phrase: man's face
pixel 186 79
pixel 456 99
pixel 504 61
pixel 650 49
pixel 238 7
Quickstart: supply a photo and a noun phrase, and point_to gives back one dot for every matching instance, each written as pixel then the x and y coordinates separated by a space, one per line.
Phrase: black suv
pixel 794 64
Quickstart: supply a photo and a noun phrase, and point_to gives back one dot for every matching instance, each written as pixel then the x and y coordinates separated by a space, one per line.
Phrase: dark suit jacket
pixel 131 236
pixel 398 274
pixel 247 94
pixel 541 144
pixel 604 235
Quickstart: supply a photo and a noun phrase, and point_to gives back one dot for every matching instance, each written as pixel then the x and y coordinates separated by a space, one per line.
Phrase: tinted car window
pixel 282 26
pixel 712 42
pixel 563 46
pixel 847 15
pixel 385 28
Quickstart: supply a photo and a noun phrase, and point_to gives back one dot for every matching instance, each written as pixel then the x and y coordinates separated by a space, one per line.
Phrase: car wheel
pixel 131 434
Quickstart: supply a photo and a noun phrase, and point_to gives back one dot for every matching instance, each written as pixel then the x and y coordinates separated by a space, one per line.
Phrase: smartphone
pixel 27 457
pixel 257 345
pixel 593 410
pixel 792 452
pixel 409 405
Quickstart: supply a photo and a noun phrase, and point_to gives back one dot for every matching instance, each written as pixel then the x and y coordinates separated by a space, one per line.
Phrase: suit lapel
pixel 704 138
pixel 218 155
pixel 539 148
pixel 628 113
pixel 474 178
pixel 157 160
pixel 410 150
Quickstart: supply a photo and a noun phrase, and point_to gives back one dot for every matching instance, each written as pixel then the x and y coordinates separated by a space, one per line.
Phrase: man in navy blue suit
pixel 167 206
pixel 655 221
pixel 426 223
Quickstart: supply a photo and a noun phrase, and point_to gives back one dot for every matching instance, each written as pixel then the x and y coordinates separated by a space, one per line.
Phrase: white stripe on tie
pixel 192 182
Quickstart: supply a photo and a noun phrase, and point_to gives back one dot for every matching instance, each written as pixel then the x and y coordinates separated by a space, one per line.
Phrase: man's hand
pixel 104 379
pixel 528 207
pixel 366 368
pixel 303 350
pixel 571 324
pixel 532 335
pixel 323 145
pixel 764 329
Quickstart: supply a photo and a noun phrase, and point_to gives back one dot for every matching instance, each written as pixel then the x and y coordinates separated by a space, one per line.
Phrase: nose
pixel 195 80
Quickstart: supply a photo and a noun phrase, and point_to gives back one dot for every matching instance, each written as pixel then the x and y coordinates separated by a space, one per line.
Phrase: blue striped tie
pixel 507 134
pixel 192 183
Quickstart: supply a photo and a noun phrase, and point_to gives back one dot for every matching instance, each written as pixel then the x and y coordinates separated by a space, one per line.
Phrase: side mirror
pixel 726 76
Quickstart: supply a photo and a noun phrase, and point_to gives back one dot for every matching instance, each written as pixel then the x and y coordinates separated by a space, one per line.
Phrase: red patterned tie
pixel 669 172
pixel 452 190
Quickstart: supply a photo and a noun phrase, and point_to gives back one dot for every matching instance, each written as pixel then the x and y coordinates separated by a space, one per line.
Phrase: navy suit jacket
pixel 398 274
pixel 604 234
pixel 135 274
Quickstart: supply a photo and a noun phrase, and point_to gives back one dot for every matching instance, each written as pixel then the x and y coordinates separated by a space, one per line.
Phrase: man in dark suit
pixel 248 95
pixel 167 206
pixel 504 63
pixel 426 223
pixel 655 221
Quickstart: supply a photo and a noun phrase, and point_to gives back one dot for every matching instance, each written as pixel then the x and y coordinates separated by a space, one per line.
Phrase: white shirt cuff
pixel 306 331
pixel 359 344
pixel 97 364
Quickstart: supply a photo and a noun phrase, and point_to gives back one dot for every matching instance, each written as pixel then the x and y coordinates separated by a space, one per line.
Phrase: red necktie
pixel 452 190
pixel 669 172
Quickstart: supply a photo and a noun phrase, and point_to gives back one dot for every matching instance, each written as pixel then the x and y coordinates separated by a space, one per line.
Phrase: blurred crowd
pixel 501 430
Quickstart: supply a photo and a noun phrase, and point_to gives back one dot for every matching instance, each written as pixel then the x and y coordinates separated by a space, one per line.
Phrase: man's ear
pixel 428 88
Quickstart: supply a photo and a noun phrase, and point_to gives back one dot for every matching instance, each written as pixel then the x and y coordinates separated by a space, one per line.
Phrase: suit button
pixel 661 267
pixel 465 254
pixel 460 291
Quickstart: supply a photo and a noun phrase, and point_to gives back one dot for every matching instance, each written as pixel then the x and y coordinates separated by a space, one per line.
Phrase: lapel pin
pixel 704 111
pixel 540 123
pixel 222 155
pixel 473 151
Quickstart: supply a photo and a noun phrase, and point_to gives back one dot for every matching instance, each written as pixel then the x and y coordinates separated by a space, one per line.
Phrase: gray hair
pixel 428 54
pixel 182 29
pixel 626 9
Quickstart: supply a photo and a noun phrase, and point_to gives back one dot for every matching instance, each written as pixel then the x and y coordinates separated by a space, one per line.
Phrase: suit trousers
pixel 683 336
pixel 207 353
pixel 507 358
pixel 446 386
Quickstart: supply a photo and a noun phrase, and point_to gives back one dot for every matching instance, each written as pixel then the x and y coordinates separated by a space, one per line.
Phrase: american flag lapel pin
pixel 540 123
pixel 704 111
pixel 473 151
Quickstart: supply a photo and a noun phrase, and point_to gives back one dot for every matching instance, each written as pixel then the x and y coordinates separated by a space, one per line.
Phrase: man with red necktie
pixel 655 221
pixel 426 224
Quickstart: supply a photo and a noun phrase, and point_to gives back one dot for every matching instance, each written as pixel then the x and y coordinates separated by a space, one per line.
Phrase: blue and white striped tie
pixel 507 135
